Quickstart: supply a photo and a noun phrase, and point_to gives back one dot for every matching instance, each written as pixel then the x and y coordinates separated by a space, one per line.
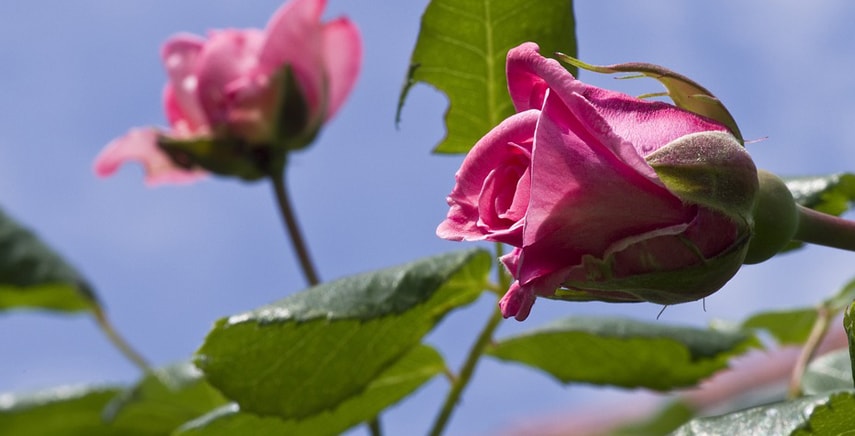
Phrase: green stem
pixel 462 380
pixel 484 338
pixel 374 426
pixel 817 333
pixel 293 228
pixel 824 229
pixel 118 341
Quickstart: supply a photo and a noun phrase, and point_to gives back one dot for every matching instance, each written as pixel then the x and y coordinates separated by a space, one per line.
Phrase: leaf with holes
pixel 461 51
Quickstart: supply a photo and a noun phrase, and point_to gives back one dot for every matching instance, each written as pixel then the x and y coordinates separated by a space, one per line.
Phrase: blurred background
pixel 168 261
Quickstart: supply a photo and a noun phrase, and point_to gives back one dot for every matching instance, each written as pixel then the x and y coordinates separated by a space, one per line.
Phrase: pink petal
pixel 225 66
pixel 645 125
pixel 183 110
pixel 584 195
pixel 342 52
pixel 141 145
pixel 490 153
pixel 294 37
pixel 530 75
pixel 517 302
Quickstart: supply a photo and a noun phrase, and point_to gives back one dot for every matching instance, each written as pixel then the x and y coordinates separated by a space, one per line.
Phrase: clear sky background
pixel 169 261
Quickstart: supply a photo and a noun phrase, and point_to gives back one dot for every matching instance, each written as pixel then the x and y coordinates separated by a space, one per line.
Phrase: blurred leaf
pixel 624 352
pixel 777 419
pixel 841 300
pixel 849 326
pixel 835 417
pixel 829 372
pixel 788 327
pixel 830 194
pixel 34 276
pixel 313 350
pixel 666 420
pixel 64 411
pixel 461 51
pixel 398 381
pixel 162 401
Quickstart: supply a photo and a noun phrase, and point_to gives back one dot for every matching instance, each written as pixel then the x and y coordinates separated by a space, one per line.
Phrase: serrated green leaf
pixel 776 419
pixel 63 411
pixel 313 350
pixel 788 327
pixel 829 372
pixel 461 51
pixel 623 352
pixel 162 401
pixel 33 276
pixel 398 381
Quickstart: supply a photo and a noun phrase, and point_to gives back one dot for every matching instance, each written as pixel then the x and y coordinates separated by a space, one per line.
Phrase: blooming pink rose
pixel 604 196
pixel 229 89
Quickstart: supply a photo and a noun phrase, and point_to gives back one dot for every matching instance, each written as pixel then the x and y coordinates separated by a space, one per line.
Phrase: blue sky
pixel 169 261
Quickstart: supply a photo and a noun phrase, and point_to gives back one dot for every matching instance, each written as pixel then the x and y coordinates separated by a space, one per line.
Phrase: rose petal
pixel 223 68
pixel 183 110
pixel 489 153
pixel 294 37
pixel 645 125
pixel 517 302
pixel 140 145
pixel 342 52
pixel 584 196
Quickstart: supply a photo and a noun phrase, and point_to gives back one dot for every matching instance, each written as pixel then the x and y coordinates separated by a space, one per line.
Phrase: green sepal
pixel 710 169
pixel 686 93
pixel 225 157
pixel 295 127
pixel 776 219
pixel 690 283
pixel 228 152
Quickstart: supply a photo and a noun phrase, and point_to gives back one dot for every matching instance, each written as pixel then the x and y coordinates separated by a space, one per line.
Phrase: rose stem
pixel 817 333
pixel 119 342
pixel 484 339
pixel 293 228
pixel 824 229
pixel 302 250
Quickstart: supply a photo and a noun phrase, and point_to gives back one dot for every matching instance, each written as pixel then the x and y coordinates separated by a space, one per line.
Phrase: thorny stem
pixel 462 380
pixel 293 228
pixel 817 333
pixel 117 340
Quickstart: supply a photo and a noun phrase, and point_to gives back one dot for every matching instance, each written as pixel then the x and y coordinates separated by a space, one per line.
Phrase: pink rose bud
pixel 239 100
pixel 604 196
